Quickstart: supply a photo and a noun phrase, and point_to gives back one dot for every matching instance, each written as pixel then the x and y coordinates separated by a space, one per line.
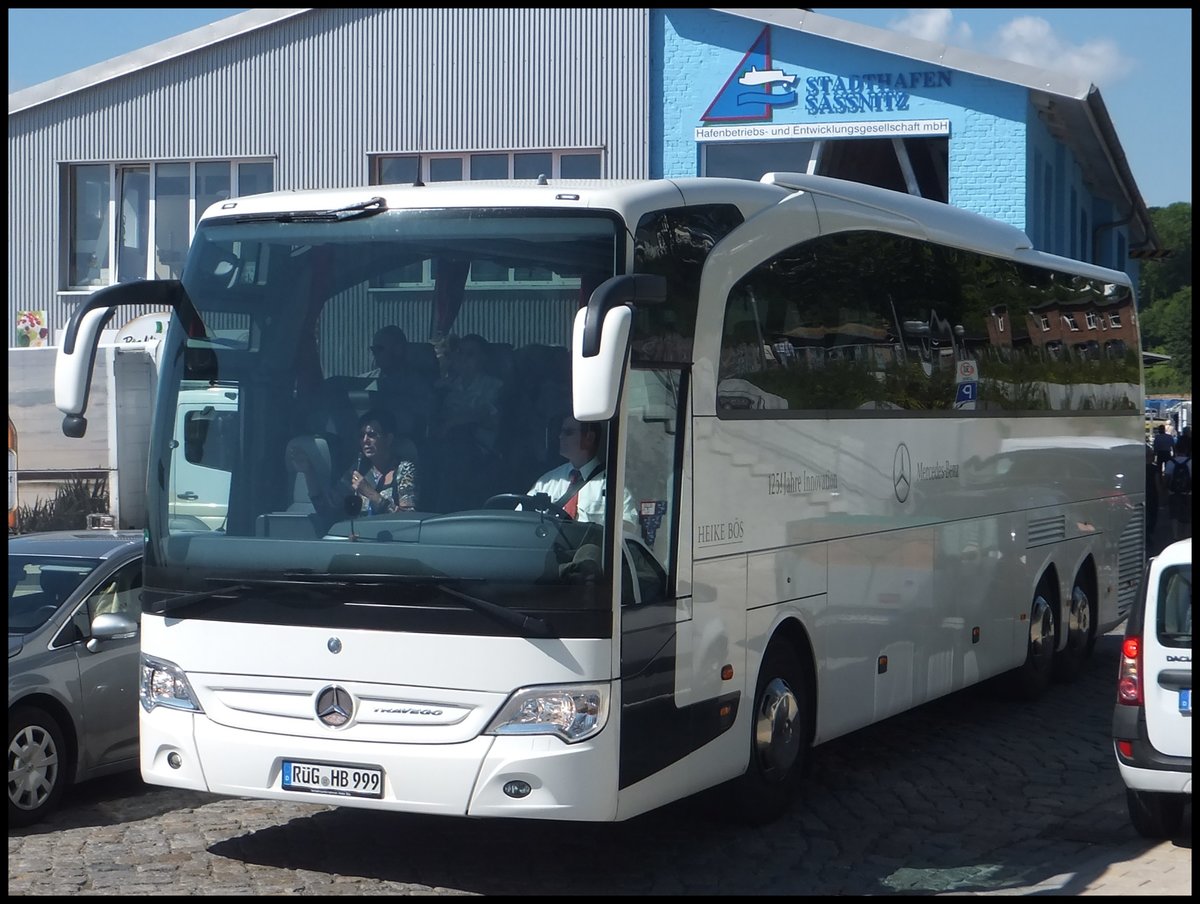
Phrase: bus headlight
pixel 573 712
pixel 164 684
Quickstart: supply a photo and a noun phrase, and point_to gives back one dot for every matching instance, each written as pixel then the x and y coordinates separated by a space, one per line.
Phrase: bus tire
pixel 1033 677
pixel 1080 630
pixel 779 740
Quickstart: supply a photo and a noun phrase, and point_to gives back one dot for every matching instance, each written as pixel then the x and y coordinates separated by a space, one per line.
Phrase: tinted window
pixel 875 322
pixel 675 243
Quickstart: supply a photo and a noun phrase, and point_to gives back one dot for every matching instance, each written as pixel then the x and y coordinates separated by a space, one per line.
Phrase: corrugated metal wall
pixel 321 91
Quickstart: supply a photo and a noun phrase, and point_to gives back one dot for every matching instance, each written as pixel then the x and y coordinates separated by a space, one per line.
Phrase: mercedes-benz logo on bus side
pixel 335 706
pixel 902 472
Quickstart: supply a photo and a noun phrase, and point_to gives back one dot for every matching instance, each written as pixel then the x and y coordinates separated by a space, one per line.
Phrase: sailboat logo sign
pixel 754 88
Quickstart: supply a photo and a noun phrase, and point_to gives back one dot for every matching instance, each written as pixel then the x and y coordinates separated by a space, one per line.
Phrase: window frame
pixel 111 209
pixel 425 160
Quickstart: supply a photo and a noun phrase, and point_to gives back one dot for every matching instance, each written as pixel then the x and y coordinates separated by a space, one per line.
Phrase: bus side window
pixel 652 466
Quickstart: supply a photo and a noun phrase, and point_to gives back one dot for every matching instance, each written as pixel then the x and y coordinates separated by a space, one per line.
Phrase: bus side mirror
pixel 77 354
pixel 73 368
pixel 596 380
pixel 600 342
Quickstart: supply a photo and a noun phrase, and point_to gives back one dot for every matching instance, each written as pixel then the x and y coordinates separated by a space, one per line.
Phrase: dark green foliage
pixel 1165 297
pixel 73 501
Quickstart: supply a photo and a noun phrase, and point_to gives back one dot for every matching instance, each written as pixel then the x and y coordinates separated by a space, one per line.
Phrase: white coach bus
pixel 851 460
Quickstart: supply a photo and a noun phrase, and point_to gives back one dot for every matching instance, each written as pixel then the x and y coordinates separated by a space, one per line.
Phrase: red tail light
pixel 1129 675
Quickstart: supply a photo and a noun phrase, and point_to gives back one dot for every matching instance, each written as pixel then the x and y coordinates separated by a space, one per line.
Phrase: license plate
pixel 333 778
pixel 1185 700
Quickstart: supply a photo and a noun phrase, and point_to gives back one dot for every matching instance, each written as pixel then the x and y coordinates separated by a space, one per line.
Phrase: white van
pixel 1152 719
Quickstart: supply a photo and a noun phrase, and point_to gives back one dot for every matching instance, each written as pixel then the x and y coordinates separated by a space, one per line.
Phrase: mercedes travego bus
pixel 854 457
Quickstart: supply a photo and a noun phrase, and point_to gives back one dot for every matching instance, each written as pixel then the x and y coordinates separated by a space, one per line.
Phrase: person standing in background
pixel 1178 473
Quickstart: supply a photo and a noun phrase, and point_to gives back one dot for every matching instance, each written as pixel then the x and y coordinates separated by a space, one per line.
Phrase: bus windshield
pixel 383 398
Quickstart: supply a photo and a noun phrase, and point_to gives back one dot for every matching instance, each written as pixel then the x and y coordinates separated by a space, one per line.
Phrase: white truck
pixel 117 441
pixel 116 445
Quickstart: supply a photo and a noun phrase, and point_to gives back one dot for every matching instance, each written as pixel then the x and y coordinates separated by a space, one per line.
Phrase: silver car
pixel 73 619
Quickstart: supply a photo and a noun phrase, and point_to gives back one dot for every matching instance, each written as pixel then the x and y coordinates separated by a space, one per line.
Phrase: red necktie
pixel 571 506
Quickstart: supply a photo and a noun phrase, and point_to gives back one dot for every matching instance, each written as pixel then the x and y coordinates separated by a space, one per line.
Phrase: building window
pixel 1044 321
pixel 1114 320
pixel 579 166
pixel 398 169
pixel 133 237
pixel 445 169
pixel 90 187
pixel 214 182
pixel 999 323
pixel 172 203
pixel 916 166
pixel 532 165
pixel 489 166
pixel 1069 320
pixel 142 215
pixel 1093 322
pixel 751 159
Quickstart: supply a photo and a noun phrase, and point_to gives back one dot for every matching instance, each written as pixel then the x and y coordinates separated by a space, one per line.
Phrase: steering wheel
pixel 540 503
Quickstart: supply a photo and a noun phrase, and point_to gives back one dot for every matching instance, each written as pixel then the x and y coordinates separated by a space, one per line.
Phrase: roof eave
pixel 144 57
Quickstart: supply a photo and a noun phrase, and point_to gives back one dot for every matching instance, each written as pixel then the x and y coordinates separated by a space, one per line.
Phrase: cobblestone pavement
pixel 972 794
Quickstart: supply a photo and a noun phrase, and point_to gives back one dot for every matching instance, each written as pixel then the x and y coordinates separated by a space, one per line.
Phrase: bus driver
pixel 578 484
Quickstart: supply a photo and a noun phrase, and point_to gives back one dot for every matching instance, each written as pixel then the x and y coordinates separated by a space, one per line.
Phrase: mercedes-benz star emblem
pixel 902 472
pixel 335 706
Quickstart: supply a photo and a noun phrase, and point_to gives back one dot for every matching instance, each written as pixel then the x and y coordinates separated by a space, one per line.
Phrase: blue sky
pixel 1141 60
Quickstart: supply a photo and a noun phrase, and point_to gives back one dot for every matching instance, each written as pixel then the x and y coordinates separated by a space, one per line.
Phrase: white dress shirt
pixel 590 497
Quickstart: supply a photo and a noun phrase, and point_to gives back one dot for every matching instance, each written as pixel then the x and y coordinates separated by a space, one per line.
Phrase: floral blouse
pixel 398 488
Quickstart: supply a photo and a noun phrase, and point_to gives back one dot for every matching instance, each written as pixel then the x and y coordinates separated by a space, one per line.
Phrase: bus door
pixel 656 573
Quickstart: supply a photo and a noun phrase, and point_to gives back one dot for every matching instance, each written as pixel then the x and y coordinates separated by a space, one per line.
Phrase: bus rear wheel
pixel 1033 678
pixel 1081 636
pixel 779 740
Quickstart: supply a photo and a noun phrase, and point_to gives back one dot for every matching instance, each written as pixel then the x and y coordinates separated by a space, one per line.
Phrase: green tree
pixel 73 501
pixel 1162 279
pixel 1165 297
pixel 1167 330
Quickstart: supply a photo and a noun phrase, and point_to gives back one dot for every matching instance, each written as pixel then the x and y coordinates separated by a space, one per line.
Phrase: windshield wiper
pixel 518 620
pixel 187 599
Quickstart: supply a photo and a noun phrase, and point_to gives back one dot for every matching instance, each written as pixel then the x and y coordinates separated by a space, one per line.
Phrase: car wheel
pixel 1155 814
pixel 37 764
pixel 779 741
pixel 1080 631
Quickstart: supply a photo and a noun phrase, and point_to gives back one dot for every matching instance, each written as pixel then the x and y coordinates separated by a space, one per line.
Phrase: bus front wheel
pixel 779 740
